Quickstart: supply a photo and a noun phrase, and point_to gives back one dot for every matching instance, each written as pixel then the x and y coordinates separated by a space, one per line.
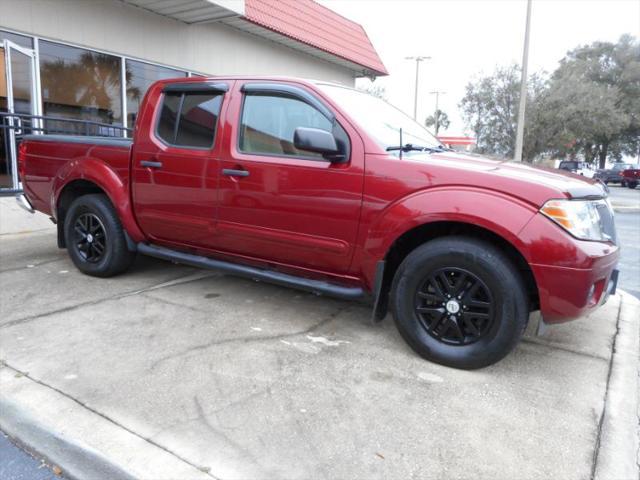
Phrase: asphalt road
pixel 628 226
pixel 16 464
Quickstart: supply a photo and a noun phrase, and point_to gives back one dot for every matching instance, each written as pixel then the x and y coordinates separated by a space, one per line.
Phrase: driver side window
pixel 268 123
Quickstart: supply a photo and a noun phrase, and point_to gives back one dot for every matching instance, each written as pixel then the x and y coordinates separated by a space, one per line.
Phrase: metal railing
pixel 14 126
pixel 24 124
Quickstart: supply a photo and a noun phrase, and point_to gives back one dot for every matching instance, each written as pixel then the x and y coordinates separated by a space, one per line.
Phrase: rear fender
pixel 96 171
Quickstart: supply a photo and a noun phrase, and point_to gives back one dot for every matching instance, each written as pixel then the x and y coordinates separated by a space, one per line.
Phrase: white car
pixel 580 168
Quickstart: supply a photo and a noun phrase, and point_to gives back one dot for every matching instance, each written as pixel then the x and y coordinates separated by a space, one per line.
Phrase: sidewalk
pixel 172 372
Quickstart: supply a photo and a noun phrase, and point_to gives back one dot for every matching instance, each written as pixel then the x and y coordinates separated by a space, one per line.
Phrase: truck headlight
pixel 580 218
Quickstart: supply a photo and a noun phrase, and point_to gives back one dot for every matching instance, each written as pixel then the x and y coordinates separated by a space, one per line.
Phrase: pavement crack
pixel 26 232
pixel 34 265
pixel 558 346
pixel 596 448
pixel 249 339
pixel 242 452
pixel 176 281
pixel 109 419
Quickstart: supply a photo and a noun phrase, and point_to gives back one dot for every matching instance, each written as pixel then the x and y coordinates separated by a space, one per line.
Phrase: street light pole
pixel 523 88
pixel 436 115
pixel 417 59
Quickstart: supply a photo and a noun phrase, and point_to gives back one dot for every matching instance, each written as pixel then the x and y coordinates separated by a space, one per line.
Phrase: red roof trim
pixel 318 26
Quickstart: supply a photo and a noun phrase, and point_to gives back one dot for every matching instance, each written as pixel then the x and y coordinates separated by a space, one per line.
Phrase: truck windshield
pixel 381 120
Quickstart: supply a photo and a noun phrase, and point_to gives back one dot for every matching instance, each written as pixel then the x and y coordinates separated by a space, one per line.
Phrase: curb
pixel 30 414
pixel 616 455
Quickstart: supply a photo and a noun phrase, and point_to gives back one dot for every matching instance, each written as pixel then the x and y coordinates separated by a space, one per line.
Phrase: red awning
pixel 457 140
pixel 317 26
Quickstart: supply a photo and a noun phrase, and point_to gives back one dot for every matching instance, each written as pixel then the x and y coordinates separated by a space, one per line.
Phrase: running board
pixel 318 287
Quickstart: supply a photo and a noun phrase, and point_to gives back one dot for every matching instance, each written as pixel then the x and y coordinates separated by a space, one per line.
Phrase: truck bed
pixel 45 162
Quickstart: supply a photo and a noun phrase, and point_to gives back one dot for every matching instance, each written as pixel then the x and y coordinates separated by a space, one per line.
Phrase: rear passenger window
pixel 189 119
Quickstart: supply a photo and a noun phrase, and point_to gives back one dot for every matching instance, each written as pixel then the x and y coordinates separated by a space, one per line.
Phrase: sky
pixel 466 38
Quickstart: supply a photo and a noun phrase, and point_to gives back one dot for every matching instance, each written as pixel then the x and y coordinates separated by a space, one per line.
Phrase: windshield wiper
pixel 410 147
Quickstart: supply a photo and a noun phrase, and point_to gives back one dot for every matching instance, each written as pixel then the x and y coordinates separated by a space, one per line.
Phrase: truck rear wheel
pixel 460 302
pixel 95 237
pixel 632 185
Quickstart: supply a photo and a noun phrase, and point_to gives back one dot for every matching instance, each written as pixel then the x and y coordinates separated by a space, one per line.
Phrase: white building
pixel 94 59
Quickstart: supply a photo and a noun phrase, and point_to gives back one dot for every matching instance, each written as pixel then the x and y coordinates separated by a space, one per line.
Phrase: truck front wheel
pixel 95 237
pixel 632 185
pixel 460 302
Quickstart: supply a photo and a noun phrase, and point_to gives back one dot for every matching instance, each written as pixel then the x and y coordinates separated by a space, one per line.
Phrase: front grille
pixel 607 220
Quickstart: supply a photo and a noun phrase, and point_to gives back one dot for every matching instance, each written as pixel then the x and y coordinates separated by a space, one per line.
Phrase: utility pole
pixel 436 114
pixel 523 88
pixel 417 59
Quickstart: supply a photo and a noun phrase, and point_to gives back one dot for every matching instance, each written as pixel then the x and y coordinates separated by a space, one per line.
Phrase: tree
pixel 594 101
pixel 488 108
pixel 590 106
pixel 438 120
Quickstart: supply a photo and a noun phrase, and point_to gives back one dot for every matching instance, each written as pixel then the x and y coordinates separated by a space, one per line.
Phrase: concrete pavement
pixel 172 372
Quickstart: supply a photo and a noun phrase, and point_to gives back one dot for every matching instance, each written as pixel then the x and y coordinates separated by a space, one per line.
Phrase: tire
pixel 632 185
pixel 95 238
pixel 478 266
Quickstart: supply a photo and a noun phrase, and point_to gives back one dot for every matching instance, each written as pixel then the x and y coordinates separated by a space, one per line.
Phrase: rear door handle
pixel 151 164
pixel 230 172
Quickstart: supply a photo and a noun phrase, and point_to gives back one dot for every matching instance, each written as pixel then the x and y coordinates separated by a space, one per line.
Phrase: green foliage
pixel 443 121
pixel 594 100
pixel 590 106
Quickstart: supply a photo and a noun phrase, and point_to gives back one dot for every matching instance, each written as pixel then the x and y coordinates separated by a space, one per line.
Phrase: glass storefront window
pixel 21 40
pixel 80 84
pixel 139 77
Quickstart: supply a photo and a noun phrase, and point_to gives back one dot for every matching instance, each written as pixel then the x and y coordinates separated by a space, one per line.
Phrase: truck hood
pixel 533 184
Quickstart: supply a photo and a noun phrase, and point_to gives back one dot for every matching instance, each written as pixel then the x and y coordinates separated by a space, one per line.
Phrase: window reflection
pixel 80 84
pixel 21 40
pixel 139 77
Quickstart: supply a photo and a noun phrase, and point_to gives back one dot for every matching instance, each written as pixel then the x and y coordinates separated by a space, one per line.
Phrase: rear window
pixel 189 119
pixel 568 165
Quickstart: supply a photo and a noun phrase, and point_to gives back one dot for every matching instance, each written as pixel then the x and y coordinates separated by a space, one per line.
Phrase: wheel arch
pixel 92 176
pixel 420 234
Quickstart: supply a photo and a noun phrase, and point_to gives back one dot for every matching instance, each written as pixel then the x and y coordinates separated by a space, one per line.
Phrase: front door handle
pixel 230 172
pixel 151 164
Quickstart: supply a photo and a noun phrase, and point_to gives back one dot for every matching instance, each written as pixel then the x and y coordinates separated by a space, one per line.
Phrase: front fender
pixel 96 171
pixel 501 214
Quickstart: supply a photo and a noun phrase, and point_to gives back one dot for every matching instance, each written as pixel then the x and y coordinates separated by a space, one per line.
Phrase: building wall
pixel 115 27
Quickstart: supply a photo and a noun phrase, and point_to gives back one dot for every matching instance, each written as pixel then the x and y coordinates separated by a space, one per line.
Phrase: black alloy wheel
pixel 459 301
pixel 455 306
pixel 94 236
pixel 89 237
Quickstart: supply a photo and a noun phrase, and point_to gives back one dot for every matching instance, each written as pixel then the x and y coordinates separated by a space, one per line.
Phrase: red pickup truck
pixel 327 189
pixel 631 177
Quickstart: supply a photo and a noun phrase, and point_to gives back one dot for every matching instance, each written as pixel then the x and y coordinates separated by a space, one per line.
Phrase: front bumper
pixel 574 277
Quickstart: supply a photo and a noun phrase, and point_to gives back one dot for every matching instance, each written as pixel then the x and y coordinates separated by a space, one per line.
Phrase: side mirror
pixel 315 140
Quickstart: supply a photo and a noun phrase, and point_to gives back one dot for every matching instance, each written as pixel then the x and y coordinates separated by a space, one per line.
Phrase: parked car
pixel 613 174
pixel 579 168
pixel 631 177
pixel 327 189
